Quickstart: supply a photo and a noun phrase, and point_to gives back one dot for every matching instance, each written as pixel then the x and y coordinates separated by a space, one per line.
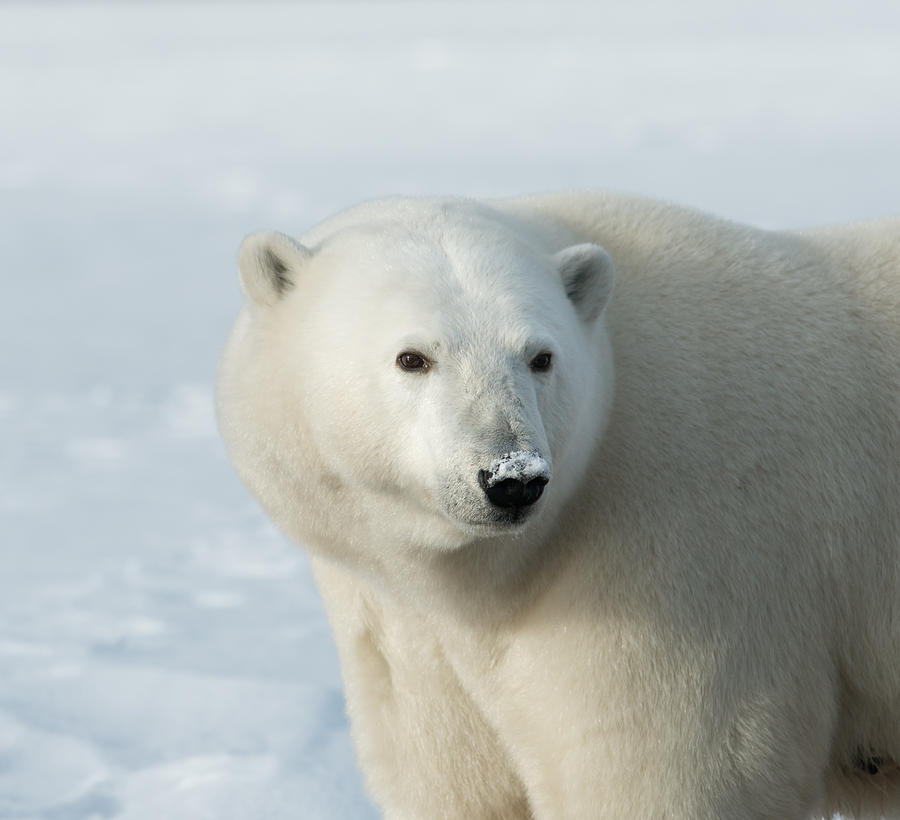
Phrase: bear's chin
pixel 496 522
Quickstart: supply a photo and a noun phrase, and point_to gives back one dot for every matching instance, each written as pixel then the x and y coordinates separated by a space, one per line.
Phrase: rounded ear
pixel 268 262
pixel 588 275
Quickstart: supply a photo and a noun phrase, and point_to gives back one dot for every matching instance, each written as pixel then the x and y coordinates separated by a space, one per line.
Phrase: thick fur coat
pixel 698 617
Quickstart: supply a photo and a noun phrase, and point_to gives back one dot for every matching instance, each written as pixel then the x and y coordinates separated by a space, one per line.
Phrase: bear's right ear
pixel 588 275
pixel 269 262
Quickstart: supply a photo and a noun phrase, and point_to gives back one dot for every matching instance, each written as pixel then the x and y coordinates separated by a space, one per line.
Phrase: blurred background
pixel 163 652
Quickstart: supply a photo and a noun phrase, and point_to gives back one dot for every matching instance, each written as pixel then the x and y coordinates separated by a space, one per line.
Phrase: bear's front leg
pixel 423 746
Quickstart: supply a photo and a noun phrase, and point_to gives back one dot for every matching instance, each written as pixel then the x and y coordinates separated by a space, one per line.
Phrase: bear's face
pixel 433 380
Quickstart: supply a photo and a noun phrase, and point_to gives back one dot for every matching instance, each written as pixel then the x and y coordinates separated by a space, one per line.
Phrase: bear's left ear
pixel 588 275
pixel 268 262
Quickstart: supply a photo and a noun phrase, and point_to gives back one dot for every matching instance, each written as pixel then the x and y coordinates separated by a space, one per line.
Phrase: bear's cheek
pixel 421 432
pixel 348 424
pixel 382 435
pixel 559 413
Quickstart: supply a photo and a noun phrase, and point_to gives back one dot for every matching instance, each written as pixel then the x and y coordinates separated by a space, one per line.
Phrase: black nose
pixel 511 492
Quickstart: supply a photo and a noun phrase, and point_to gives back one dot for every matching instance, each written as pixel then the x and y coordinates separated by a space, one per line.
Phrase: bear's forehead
pixel 448 257
pixel 429 289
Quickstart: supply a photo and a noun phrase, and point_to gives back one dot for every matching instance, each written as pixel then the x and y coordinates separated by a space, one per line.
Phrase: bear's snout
pixel 515 479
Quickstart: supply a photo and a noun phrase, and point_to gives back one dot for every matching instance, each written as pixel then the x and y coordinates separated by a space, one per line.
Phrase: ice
pixel 163 651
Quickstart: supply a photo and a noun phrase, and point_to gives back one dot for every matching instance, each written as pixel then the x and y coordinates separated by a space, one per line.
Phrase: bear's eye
pixel 410 360
pixel 541 362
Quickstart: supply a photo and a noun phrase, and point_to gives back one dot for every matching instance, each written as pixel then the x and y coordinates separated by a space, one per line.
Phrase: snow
pixel 163 651
pixel 523 465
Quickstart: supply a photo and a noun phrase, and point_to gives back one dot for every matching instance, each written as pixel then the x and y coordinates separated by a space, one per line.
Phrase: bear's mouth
pixel 499 521
pixel 480 516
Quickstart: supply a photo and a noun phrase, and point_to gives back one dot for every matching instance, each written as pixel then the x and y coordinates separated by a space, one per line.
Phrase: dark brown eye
pixel 541 362
pixel 409 360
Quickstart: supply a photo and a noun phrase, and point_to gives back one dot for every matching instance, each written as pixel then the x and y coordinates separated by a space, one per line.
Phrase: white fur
pixel 699 618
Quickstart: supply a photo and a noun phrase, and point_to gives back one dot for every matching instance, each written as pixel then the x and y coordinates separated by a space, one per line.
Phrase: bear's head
pixel 416 375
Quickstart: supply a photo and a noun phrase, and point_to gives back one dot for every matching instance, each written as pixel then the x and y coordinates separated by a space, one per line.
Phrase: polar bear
pixel 603 499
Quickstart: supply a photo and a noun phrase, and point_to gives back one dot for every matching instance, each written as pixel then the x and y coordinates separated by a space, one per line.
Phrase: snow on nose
pixel 522 465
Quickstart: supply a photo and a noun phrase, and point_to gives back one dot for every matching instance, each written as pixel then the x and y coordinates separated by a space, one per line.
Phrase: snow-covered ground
pixel 163 652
